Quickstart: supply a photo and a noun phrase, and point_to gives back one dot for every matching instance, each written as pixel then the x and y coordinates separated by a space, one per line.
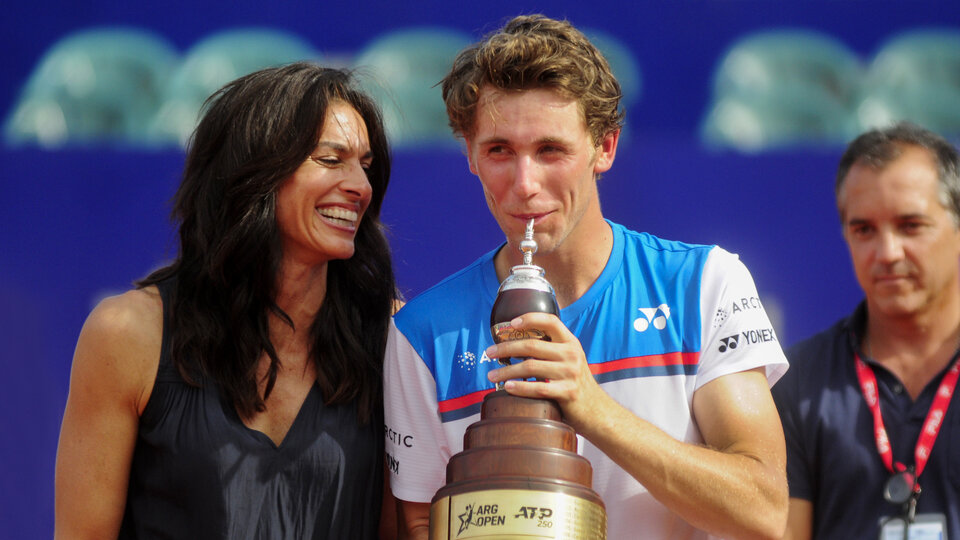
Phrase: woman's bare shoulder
pixel 120 342
pixel 133 317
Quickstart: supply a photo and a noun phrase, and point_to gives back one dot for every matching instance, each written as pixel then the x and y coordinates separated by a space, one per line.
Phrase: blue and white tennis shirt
pixel 663 319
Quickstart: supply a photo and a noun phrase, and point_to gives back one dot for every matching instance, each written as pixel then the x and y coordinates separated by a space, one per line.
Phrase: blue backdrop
pixel 78 224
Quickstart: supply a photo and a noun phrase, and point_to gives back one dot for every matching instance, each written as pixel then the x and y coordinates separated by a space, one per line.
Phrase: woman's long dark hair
pixel 255 132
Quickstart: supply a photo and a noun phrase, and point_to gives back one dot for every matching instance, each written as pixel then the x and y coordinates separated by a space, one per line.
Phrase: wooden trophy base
pixel 519 476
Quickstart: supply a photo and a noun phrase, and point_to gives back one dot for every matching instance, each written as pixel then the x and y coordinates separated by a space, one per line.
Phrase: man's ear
pixel 470 155
pixel 606 152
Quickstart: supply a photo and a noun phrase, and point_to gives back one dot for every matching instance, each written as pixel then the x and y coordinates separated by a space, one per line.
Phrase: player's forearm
pixel 721 491
pixel 733 496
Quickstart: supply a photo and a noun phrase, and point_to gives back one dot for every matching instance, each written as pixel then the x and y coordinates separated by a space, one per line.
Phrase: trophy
pixel 519 474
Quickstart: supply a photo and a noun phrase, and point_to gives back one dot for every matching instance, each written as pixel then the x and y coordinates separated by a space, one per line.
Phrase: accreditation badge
pixel 924 527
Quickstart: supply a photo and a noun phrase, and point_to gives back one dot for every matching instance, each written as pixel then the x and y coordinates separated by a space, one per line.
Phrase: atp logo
pixel 656 317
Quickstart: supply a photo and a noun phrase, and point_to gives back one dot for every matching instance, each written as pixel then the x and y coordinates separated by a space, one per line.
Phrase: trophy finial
pixel 528 245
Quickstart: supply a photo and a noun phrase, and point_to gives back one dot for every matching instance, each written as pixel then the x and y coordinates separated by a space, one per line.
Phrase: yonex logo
pixel 750 337
pixel 730 342
pixel 657 317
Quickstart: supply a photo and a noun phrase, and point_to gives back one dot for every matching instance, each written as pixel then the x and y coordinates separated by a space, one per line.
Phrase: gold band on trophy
pixel 508 513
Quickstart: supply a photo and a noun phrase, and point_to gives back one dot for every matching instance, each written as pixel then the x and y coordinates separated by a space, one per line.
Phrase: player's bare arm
pixel 734 485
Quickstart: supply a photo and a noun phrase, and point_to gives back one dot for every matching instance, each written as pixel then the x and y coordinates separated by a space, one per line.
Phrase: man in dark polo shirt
pixel 873 436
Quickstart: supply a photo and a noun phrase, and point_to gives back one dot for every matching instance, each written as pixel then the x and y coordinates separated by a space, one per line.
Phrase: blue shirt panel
pixel 449 324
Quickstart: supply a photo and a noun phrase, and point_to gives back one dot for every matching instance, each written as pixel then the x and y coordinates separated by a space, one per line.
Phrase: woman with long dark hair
pixel 236 393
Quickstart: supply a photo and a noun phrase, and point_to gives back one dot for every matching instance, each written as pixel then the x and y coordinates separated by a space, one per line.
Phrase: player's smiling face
pixel 536 160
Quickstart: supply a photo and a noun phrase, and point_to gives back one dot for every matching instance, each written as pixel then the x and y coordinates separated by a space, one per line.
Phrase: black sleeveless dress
pixel 199 472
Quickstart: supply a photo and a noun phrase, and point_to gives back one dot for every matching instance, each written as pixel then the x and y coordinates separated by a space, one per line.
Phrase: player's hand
pixel 558 367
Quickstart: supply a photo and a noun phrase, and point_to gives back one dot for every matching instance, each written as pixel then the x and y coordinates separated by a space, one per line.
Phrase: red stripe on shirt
pixel 668 359
pixel 462 401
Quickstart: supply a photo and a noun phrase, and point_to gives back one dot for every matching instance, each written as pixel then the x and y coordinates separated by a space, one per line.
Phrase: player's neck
pixel 914 348
pixel 572 267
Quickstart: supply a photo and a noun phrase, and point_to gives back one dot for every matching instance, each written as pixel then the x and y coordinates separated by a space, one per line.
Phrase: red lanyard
pixel 931 426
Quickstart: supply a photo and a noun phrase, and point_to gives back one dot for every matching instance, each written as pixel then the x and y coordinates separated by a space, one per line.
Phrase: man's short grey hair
pixel 877 148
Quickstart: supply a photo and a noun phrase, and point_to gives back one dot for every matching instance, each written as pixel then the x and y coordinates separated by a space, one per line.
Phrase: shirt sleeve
pixel 417 452
pixel 737 334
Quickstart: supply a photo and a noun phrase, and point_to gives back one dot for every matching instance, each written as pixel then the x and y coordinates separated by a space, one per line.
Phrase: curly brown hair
pixel 534 51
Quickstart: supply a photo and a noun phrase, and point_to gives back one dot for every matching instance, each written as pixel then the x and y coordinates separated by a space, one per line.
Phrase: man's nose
pixel 889 246
pixel 528 178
